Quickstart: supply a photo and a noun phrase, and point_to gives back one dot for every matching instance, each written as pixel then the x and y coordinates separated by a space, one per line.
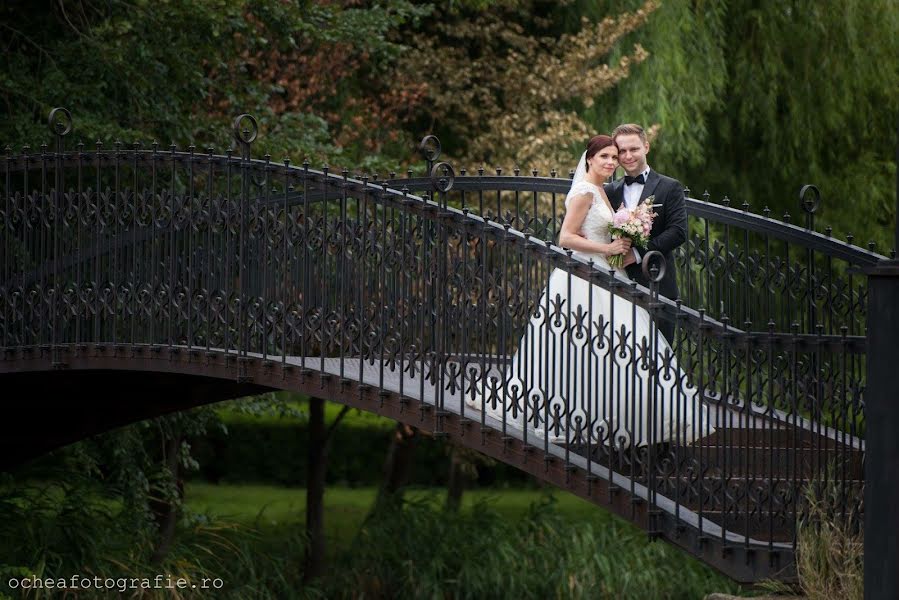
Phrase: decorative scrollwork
pixel 430 147
pixel 60 121
pixel 654 266
pixel 442 177
pixel 243 135
pixel 809 198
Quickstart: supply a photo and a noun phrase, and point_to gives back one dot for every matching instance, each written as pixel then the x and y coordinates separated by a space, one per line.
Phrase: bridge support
pixel 882 436
pixel 882 419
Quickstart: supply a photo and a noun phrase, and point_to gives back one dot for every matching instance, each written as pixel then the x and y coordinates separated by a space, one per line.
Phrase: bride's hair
pixel 597 143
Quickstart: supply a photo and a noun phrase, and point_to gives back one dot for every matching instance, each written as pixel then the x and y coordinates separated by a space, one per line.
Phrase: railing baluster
pixel 8 237
pixel 364 278
pixel 172 266
pixel 341 228
pixel 399 314
pixel 405 322
pixel 189 243
pixel 307 306
pixel 211 288
pixel 44 223
pixel 136 278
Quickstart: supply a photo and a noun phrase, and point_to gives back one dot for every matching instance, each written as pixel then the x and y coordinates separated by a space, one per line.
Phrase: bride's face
pixel 605 161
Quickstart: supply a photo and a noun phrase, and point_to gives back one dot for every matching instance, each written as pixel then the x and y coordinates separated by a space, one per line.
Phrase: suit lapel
pixel 616 197
pixel 649 188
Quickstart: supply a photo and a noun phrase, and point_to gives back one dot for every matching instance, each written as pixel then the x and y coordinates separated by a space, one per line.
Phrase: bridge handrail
pixel 724 215
pixel 559 257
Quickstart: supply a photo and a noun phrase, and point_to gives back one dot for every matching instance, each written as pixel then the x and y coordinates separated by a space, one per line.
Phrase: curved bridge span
pixel 132 383
pixel 161 280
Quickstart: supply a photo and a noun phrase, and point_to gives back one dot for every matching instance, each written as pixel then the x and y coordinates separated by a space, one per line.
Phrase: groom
pixel 669 230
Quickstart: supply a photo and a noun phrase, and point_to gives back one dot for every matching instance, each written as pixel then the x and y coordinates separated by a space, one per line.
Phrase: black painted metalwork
pixel 881 578
pixel 457 301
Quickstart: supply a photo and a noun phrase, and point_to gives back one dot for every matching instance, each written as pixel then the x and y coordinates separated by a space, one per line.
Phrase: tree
pixel 397 466
pixel 463 468
pixel 753 100
pixel 119 69
pixel 317 461
pixel 503 86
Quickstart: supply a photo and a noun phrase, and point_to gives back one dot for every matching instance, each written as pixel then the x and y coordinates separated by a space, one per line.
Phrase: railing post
pixel 653 267
pixel 245 138
pixel 882 422
pixel 881 439
pixel 430 150
pixel 60 123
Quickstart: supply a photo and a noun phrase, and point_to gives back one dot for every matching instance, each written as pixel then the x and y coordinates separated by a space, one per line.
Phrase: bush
pixel 272 450
pixel 830 560
pixel 418 550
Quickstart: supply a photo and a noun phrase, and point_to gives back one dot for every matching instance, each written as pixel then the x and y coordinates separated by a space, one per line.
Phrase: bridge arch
pixel 226 274
pixel 568 471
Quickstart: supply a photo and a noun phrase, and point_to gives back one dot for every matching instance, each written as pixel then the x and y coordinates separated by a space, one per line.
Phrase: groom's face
pixel 632 153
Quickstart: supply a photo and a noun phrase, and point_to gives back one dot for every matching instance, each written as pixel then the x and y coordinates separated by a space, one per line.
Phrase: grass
pixel 276 509
pixel 830 558
pixel 289 409
pixel 511 543
pixel 566 546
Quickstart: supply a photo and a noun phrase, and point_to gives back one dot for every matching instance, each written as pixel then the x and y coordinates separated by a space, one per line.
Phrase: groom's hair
pixel 629 129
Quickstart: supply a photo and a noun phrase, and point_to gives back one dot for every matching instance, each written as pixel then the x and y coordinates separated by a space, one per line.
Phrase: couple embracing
pixel 573 387
pixel 627 147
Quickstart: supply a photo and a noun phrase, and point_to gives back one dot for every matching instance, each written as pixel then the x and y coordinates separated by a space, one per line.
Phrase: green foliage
pixel 266 443
pixel 684 78
pixel 830 544
pixel 76 528
pixel 524 546
pixel 754 100
pixel 269 506
pixel 511 82
pixel 124 75
pixel 418 551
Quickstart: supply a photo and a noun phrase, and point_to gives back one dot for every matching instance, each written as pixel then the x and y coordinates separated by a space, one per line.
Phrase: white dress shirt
pixel 633 191
pixel 632 194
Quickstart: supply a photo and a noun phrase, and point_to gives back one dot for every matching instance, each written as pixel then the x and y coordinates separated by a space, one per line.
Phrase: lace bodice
pixel 596 223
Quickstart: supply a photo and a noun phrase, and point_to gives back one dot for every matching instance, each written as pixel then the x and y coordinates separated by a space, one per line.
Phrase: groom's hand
pixel 629 259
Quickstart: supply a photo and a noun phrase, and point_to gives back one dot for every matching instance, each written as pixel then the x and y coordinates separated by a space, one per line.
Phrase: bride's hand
pixel 619 246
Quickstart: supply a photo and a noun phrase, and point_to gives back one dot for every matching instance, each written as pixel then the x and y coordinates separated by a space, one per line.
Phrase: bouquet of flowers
pixel 633 224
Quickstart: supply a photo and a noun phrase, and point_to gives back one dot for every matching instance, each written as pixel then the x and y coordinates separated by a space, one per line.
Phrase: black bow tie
pixel 638 179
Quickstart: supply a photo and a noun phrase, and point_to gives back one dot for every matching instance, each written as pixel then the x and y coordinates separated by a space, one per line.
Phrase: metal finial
pixel 809 198
pixel 60 121
pixel 430 147
pixel 241 133
pixel 654 266
pixel 442 177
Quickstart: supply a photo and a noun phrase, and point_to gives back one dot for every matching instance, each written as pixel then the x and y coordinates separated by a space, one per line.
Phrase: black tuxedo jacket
pixel 669 230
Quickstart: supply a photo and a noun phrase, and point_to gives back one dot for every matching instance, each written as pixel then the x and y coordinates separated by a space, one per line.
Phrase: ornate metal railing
pixel 477 315
pixel 740 266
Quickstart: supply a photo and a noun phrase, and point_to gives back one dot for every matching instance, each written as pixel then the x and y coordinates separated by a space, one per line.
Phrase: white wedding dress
pixel 579 367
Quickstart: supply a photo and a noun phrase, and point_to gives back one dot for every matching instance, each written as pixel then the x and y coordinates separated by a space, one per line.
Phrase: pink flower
pixel 621 217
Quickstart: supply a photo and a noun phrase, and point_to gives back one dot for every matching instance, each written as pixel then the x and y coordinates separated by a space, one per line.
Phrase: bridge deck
pixel 409 383
pixel 716 514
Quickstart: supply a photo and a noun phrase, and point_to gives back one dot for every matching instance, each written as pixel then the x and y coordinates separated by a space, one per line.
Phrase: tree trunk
pixel 314 562
pixel 397 465
pixel 165 512
pixel 319 444
pixel 455 485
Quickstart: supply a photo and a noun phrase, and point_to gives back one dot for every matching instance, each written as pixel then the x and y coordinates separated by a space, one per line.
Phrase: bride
pixel 596 386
